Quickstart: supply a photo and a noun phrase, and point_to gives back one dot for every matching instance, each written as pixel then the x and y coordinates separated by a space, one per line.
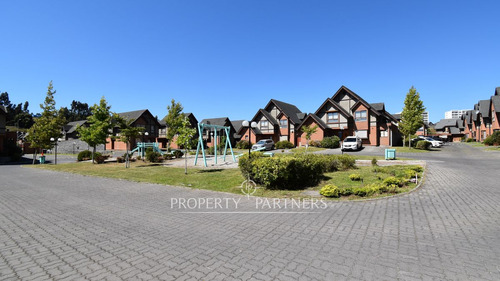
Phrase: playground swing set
pixel 214 129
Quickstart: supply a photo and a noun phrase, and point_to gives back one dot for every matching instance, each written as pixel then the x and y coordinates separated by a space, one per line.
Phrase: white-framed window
pixel 283 123
pixel 360 115
pixel 264 124
pixel 332 117
pixel 384 133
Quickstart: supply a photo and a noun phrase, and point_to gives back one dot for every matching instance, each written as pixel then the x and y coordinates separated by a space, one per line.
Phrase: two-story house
pixel 209 136
pixel 278 121
pixel 162 131
pixel 138 118
pixel 347 114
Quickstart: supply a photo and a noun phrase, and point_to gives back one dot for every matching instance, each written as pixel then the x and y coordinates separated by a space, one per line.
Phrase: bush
pixel 330 190
pixel 178 154
pixel 374 162
pixel 13 151
pixel 120 159
pixel 346 191
pixel 394 181
pixel 243 144
pixel 287 172
pixel 210 151
pixel 470 140
pixel 284 145
pixel 330 142
pixel 423 145
pixel 84 155
pixel 355 177
pixel 315 143
pixel 153 156
pixel 99 159
pixel 494 139
pixel 168 156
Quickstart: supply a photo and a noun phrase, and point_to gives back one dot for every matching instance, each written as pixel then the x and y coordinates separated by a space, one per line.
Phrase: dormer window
pixel 360 115
pixel 332 117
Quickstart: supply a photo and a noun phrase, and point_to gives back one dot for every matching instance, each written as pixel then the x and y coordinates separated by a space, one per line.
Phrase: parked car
pixel 352 143
pixel 268 144
pixel 435 143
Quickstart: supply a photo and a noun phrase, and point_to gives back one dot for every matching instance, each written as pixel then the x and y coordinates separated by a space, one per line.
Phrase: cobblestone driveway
pixel 62 226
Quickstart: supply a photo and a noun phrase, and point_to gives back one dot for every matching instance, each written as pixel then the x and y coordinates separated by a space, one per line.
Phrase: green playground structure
pixel 215 128
pixel 142 146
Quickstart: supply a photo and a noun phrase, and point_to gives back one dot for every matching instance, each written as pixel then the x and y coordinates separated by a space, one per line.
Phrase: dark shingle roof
pixel 268 116
pixel 484 108
pixel 496 102
pixel 132 115
pixel 216 121
pixel 447 123
pixel 497 91
pixel 379 106
pixel 290 110
pixel 163 123
pixel 397 116
pixel 71 126
pixel 316 119
pixel 237 125
pixel 454 130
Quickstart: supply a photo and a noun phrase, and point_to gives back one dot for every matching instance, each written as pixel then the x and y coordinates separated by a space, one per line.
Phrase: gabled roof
pixel 379 106
pixel 351 93
pixel 484 108
pixel 188 115
pixel 316 119
pixel 290 110
pixel 336 106
pixel 497 91
pixel 397 116
pixel 443 123
pixel 454 131
pixel 132 116
pixel 71 126
pixel 237 125
pixel 496 102
pixel 221 121
pixel 267 115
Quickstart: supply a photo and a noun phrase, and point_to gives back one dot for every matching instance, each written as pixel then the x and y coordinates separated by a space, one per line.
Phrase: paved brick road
pixel 61 226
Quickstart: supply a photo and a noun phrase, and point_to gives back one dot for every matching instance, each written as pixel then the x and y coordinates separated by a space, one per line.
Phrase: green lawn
pixel 222 180
pixel 493 148
pixel 475 144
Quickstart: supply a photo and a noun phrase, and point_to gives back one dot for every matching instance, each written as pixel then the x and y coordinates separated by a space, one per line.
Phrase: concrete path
pixel 63 226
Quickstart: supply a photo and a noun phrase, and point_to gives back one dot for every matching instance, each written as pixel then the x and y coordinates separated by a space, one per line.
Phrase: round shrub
pixel 178 154
pixel 374 161
pixel 355 177
pixel 423 145
pixel 330 190
pixel 243 144
pixel 284 145
pixel 346 191
pixel 84 155
pixel 391 181
pixel 330 142
pixel 153 156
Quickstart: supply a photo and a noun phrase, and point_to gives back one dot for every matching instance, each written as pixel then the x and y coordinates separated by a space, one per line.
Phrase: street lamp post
pixel 74 143
pixel 249 126
pixel 144 144
pixel 55 144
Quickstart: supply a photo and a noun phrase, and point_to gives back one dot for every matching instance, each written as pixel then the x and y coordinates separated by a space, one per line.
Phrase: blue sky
pixel 228 58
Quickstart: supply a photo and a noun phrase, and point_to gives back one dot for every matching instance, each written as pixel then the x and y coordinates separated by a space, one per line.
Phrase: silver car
pixel 263 145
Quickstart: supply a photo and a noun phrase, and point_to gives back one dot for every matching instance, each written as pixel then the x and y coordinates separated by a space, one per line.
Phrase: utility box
pixel 390 154
pixel 42 159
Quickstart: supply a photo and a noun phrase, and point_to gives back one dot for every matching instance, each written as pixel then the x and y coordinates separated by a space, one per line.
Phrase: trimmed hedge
pixel 87 155
pixel 284 145
pixel 292 171
pixel 330 142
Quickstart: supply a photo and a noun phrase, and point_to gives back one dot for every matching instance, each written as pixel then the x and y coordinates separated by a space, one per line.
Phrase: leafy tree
pixel 99 126
pixel 48 125
pixel 173 120
pixel 411 117
pixel 127 133
pixel 77 111
pixel 309 131
pixel 185 138
pixel 17 115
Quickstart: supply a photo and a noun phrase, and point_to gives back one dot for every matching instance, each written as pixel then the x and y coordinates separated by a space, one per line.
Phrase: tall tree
pixel 99 125
pixel 48 125
pixel 173 120
pixel 411 117
pixel 309 131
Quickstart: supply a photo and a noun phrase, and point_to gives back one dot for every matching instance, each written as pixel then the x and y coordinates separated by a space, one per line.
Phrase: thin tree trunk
pixel 93 153
pixel 34 157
